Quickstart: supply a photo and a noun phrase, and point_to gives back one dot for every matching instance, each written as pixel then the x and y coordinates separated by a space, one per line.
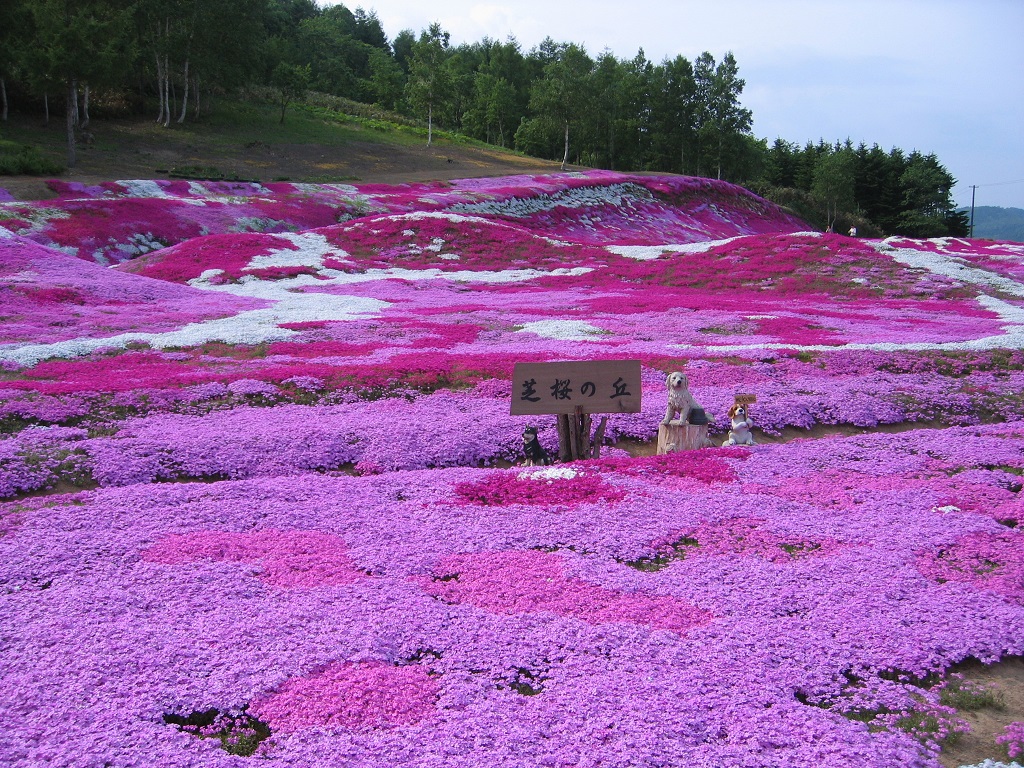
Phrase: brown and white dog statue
pixel 741 424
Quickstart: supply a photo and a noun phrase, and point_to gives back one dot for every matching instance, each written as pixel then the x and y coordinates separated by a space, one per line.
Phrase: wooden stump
pixel 574 441
pixel 675 436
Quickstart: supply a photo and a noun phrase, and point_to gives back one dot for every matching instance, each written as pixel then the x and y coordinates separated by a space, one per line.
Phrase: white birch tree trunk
pixel 565 156
pixel 430 123
pixel 160 86
pixel 73 104
pixel 184 98
pixel 167 92
pixel 71 98
pixel 85 107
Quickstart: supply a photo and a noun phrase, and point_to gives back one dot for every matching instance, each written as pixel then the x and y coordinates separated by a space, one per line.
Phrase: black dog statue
pixel 534 451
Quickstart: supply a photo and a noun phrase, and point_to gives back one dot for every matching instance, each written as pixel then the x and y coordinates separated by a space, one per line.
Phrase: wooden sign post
pixel 573 390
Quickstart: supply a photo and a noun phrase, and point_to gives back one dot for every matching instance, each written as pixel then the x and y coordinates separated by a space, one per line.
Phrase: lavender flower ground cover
pixel 300 541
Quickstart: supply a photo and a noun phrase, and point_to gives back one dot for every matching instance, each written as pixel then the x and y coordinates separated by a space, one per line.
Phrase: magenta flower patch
pixel 553 486
pixel 286 559
pixel 991 561
pixel 531 581
pixel 351 697
pixel 746 537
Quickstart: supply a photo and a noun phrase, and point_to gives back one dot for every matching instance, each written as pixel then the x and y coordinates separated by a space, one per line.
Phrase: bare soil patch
pixel 1006 677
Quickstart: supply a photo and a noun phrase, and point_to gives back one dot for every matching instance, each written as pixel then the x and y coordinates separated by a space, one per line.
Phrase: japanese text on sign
pixel 597 386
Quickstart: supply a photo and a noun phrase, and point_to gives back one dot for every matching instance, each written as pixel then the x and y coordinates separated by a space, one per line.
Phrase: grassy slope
pixel 246 140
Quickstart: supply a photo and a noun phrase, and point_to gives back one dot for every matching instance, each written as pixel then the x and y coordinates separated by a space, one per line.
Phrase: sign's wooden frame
pixel 595 386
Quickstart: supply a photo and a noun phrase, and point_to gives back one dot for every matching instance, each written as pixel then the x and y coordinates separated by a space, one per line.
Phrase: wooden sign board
pixel 742 399
pixel 596 386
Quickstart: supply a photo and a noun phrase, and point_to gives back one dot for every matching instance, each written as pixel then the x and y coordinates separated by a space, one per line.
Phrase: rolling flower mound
pixel 351 697
pixel 512 582
pixel 604 208
pixel 119 221
pixel 288 559
pixel 452 241
pixel 49 296
pixel 229 253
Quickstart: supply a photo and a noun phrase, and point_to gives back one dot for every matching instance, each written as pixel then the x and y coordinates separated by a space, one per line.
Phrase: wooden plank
pixel 743 399
pixel 597 386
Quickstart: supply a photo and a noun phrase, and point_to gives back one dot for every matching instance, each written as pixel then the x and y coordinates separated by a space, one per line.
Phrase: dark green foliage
pixel 22 159
pixel 238 734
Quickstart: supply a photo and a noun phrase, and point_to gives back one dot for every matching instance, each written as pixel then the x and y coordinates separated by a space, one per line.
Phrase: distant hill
pixel 998 223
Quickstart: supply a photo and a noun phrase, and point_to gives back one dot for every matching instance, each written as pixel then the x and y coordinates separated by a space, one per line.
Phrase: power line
pixel 998 183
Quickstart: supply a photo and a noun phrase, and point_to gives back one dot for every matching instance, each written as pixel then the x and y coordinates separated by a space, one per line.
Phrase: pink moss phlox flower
pixel 705 466
pixel 231 253
pixel 987 560
pixel 747 537
pixel 1012 738
pixel 538 487
pixel 287 558
pixel 531 581
pixel 350 697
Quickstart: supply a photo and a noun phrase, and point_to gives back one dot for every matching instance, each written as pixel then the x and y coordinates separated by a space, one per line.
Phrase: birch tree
pixel 429 82
pixel 563 94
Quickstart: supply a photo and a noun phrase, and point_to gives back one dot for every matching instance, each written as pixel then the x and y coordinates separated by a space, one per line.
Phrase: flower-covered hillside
pixel 117 221
pixel 259 501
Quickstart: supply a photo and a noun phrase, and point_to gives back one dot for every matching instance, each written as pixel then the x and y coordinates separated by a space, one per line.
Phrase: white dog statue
pixel 741 423
pixel 679 398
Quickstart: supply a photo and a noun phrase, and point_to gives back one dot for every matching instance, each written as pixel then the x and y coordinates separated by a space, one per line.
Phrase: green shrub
pixel 24 159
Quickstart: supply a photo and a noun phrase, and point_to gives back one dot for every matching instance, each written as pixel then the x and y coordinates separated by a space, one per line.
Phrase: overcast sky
pixel 940 76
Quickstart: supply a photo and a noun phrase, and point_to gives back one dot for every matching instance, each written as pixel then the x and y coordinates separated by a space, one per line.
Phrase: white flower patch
pixel 312 247
pixel 549 473
pixel 436 245
pixel 139 244
pixel 946 509
pixel 564 330
pixel 251 327
pixel 144 188
pixel 1011 315
pixel 650 252
pixel 616 195
pixel 1012 339
pixel 948 265
pixel 345 189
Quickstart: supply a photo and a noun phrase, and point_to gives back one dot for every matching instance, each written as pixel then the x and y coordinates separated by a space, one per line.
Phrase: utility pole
pixel 974 188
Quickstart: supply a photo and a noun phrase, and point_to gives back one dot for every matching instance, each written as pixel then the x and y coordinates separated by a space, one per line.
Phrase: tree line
pixel 554 101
